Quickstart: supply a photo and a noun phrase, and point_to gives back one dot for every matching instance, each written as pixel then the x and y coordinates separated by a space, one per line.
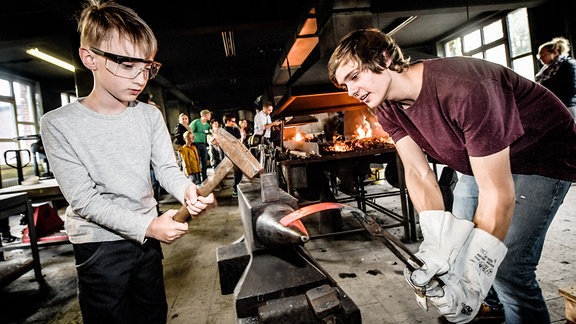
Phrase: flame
pixel 341 147
pixel 298 137
pixel 364 130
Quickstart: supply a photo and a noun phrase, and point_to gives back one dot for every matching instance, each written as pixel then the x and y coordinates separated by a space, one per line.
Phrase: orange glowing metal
pixel 293 219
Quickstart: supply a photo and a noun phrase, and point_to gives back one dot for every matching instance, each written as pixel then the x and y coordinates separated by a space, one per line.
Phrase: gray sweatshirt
pixel 102 164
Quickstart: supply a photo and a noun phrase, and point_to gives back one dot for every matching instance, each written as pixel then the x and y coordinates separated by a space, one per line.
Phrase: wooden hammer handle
pixel 207 187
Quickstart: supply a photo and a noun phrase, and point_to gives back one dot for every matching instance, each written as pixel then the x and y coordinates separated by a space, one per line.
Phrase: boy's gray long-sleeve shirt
pixel 102 164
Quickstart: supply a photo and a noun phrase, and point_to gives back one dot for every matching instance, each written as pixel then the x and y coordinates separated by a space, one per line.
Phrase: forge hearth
pixel 347 131
pixel 356 145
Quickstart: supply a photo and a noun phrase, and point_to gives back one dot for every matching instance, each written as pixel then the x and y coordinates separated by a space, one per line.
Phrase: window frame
pixel 484 47
pixel 17 122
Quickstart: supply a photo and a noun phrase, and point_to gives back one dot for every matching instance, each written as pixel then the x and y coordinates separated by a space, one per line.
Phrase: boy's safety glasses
pixel 128 67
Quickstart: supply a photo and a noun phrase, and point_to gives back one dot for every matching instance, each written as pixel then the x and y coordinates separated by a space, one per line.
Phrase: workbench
pixel 45 190
pixel 14 204
pixel 17 200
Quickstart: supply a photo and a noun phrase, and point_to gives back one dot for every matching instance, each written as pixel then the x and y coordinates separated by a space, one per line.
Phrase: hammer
pixel 236 154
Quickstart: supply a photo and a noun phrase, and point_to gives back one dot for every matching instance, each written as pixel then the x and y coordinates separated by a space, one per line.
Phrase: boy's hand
pixel 165 229
pixel 194 203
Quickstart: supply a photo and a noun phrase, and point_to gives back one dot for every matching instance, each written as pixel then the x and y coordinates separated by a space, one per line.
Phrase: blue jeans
pixel 537 201
pixel 203 154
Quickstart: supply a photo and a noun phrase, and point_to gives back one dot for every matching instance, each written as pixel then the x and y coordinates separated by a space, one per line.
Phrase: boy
pixel 503 133
pixel 100 150
pixel 189 156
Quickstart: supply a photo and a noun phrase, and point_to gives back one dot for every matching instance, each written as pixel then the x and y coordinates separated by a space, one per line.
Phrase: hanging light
pixel 228 40
pixel 50 59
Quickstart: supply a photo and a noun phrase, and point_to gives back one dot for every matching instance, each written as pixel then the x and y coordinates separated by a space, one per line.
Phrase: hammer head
pixel 238 153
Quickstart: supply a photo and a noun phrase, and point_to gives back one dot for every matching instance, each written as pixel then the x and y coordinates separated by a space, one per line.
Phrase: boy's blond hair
pixel 185 135
pixel 100 19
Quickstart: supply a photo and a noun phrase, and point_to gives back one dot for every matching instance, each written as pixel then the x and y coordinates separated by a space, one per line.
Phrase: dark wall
pixel 551 20
pixel 50 100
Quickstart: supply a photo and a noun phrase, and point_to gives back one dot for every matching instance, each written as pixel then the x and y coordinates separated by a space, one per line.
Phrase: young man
pixel 263 123
pixel 100 149
pixel 513 141
pixel 200 127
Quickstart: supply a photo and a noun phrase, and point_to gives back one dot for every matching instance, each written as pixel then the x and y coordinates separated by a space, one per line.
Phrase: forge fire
pixel 361 144
pixel 358 131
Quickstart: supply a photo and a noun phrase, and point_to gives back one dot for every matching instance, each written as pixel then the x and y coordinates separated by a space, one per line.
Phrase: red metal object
pixel 368 222
pixel 308 210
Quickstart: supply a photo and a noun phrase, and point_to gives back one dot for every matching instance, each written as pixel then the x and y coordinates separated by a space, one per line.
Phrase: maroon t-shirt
pixel 471 107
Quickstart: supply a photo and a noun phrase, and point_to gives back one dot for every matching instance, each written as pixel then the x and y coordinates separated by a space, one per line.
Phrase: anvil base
pixel 281 284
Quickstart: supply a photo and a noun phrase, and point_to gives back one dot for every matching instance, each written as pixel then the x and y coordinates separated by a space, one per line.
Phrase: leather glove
pixel 470 277
pixel 444 236
pixel 432 289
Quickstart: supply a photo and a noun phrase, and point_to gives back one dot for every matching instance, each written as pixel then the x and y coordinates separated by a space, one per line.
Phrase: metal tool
pixel 236 155
pixel 368 222
pixel 402 252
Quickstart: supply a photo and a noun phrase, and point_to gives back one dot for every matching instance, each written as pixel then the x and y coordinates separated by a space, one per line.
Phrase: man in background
pixel 200 127
pixel 263 123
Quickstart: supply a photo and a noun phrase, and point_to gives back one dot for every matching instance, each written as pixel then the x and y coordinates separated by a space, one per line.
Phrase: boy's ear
pixel 88 58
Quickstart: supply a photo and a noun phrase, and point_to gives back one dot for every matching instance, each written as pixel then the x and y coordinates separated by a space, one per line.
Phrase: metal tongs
pixel 393 244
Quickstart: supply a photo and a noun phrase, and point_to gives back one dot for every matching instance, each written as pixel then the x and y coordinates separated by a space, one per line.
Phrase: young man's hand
pixel 443 237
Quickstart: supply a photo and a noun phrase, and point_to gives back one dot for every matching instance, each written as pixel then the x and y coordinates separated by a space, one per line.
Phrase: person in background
pixel 214 125
pixel 182 127
pixel 200 127
pixel 189 156
pixel 100 149
pixel 7 237
pixel 559 71
pixel 215 153
pixel 243 125
pixel 263 122
pixel 502 132
pixel 231 127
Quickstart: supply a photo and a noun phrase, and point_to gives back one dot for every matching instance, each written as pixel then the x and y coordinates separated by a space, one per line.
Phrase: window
pixel 504 40
pixel 520 45
pixel 472 41
pixel 67 98
pixel 19 114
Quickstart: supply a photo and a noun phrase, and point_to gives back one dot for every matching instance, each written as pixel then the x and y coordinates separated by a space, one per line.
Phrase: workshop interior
pixel 333 175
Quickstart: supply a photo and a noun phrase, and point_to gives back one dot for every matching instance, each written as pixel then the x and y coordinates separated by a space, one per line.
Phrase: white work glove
pixel 470 277
pixel 443 237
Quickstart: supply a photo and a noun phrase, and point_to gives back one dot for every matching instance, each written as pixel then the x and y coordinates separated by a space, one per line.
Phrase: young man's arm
pixel 421 180
pixel 443 233
pixel 496 196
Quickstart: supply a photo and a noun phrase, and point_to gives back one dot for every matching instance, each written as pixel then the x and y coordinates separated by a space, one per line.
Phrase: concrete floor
pixel 362 267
